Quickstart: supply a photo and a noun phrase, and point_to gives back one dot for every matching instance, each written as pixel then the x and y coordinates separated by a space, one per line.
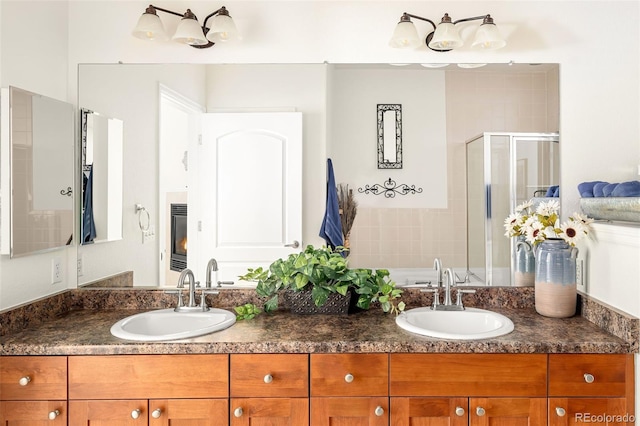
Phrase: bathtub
pixel 411 277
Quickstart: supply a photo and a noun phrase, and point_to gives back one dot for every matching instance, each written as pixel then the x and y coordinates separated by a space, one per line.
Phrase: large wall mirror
pixel 101 139
pixel 37 172
pixel 442 109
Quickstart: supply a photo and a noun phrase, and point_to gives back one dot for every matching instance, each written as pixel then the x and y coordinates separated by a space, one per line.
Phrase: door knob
pixel 379 411
pixel 294 244
pixel 156 413
pixel 24 381
pixel 136 413
pixel 238 412
pixel 53 414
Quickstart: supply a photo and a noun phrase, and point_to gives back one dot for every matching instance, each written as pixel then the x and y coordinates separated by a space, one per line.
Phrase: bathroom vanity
pixel 286 369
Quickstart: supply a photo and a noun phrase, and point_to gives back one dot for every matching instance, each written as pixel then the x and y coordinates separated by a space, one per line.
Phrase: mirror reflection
pixel 37 149
pixel 102 141
pixel 401 234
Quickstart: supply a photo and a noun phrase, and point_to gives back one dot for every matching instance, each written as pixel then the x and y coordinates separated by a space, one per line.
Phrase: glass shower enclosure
pixel 503 170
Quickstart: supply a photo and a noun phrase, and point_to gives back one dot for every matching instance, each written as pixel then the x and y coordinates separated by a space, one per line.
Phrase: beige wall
pixel 476 102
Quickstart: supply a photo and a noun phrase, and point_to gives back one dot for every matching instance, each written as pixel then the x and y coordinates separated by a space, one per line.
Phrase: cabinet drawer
pixel 349 374
pixel 33 413
pixel 468 375
pixel 270 375
pixel 33 378
pixel 588 374
pixel 148 376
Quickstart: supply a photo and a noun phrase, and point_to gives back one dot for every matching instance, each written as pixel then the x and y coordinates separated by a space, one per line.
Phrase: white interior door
pixel 247 191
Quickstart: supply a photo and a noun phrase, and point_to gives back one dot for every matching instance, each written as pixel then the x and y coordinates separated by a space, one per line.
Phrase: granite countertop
pixel 86 331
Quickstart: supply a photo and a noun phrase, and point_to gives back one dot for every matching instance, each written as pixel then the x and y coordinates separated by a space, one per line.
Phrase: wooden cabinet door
pixel 108 413
pixel 349 411
pixel 188 412
pixel 592 411
pixel 270 411
pixel 33 413
pixel 429 411
pixel 507 411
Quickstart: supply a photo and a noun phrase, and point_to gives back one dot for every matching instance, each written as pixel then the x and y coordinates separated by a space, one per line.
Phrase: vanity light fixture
pixel 189 31
pixel 445 36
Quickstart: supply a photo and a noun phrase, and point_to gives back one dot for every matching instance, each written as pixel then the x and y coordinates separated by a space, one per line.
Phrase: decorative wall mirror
pixel 37 172
pixel 102 145
pixel 389 136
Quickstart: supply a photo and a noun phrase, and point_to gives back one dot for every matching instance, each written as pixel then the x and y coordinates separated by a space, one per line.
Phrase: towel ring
pixel 141 210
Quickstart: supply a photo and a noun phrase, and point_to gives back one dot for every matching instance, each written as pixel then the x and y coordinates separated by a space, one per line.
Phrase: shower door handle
pixel 295 244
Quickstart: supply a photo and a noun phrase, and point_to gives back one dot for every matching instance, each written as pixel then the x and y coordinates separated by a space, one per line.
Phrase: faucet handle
pixel 460 292
pixel 203 298
pixel 436 294
pixel 179 293
pixel 220 283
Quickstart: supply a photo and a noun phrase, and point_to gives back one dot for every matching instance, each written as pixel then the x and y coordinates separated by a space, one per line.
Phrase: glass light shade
pixel 405 35
pixel 189 32
pixel 445 37
pixel 488 37
pixel 223 29
pixel 149 27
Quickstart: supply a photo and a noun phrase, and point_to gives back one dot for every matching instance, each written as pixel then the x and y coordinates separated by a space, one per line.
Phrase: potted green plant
pixel 322 273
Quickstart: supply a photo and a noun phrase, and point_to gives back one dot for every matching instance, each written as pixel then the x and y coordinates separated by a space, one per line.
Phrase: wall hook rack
pixel 390 188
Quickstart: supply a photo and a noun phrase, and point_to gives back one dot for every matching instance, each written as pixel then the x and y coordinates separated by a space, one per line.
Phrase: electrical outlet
pixel 148 235
pixel 579 272
pixel 80 265
pixel 56 270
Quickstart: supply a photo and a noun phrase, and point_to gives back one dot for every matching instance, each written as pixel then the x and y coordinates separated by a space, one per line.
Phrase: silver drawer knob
pixel 156 413
pixel 348 378
pixel 560 411
pixel 480 411
pixel 379 411
pixel 268 378
pixel 136 413
pixel 589 378
pixel 24 381
pixel 459 411
pixel 238 412
pixel 53 414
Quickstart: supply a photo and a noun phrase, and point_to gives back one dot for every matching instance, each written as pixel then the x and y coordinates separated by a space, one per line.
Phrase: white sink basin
pixel 166 324
pixel 463 325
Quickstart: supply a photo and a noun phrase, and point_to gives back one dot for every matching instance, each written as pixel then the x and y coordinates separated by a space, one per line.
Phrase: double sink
pixel 166 324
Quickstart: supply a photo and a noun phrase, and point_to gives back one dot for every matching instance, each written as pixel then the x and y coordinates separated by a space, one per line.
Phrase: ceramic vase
pixel 525 263
pixel 555 279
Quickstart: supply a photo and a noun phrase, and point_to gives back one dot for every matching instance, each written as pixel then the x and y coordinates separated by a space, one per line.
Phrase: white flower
pixel 524 206
pixel 548 208
pixel 534 233
pixel 573 231
pixel 580 218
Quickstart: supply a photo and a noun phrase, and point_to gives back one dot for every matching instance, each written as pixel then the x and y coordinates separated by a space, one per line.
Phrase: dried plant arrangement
pixel 348 209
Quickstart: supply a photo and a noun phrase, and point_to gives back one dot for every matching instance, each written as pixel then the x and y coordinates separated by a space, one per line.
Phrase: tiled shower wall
pixel 476 102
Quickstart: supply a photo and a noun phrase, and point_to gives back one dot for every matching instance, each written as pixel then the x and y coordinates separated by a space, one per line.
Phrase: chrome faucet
pixel 450 281
pixel 437 265
pixel 186 273
pixel 212 266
